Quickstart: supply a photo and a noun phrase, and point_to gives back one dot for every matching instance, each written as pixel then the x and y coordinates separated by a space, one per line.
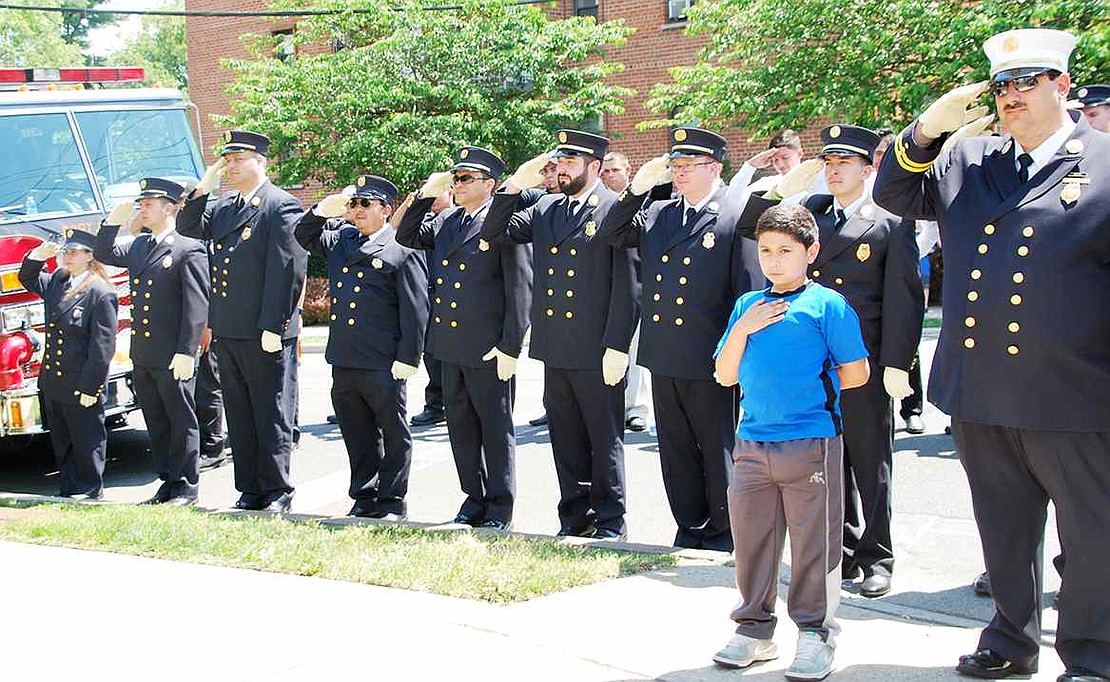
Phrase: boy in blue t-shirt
pixel 793 348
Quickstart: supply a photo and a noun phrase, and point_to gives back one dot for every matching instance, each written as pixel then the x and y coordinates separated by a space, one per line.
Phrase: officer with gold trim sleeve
pixel 694 265
pixel 480 300
pixel 584 310
pixel 379 313
pixel 169 308
pixel 1022 363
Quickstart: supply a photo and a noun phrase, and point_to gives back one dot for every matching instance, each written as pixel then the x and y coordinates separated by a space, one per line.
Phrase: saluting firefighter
pixel 169 309
pixel 81 326
pixel 480 300
pixel 583 314
pixel 695 265
pixel 257 273
pixel 379 311
pixel 870 256
pixel 1022 363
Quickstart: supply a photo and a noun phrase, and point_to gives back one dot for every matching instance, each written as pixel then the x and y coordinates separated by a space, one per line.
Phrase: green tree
pixel 402 88
pixel 770 64
pixel 159 47
pixel 29 38
pixel 76 25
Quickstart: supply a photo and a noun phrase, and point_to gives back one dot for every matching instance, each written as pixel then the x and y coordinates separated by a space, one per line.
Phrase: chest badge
pixel 246 233
pixel 255 201
pixel 709 240
pixel 592 201
pixel 1070 193
pixel 863 252
pixel 591 228
pixel 377 263
pixel 77 310
pixel 167 262
pixel 483 245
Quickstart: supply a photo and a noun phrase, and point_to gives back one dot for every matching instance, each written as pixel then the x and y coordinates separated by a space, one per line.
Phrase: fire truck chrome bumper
pixel 21 412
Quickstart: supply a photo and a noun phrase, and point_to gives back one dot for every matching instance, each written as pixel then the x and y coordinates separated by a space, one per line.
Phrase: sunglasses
pixel 689 168
pixel 1020 84
pixel 464 179
pixel 361 201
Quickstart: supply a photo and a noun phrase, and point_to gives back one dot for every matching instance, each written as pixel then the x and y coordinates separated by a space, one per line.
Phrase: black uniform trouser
pixel 1013 473
pixel 914 403
pixel 483 440
pixel 210 404
pixel 254 385
pixel 170 414
pixel 696 423
pixel 433 392
pixel 370 407
pixel 80 441
pixel 868 438
pixel 586 421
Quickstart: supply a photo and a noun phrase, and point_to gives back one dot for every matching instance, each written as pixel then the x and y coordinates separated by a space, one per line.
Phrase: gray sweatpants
pixel 796 485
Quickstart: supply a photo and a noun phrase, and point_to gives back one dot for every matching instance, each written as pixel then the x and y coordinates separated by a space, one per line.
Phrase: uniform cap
pixel 374 187
pixel 481 160
pixel 697 142
pixel 160 188
pixel 1091 95
pixel 848 140
pixel 1028 48
pixel 79 239
pixel 578 142
pixel 245 140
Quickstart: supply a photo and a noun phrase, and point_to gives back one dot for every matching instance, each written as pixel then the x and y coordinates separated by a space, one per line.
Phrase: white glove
pixel 182 366
pixel 271 342
pixel 86 400
pixel 211 179
pixel 530 172
pixel 506 364
pixel 951 111
pixel 613 366
pixel 649 175
pixel 798 180
pixel 43 251
pixel 897 383
pixel 973 129
pixel 401 371
pixel 332 206
pixel 121 213
pixel 436 184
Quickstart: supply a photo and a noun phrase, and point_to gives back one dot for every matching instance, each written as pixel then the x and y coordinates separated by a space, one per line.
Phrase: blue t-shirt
pixel 788 379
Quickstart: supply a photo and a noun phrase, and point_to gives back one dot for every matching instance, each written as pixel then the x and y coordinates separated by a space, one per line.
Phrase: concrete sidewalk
pixel 106 616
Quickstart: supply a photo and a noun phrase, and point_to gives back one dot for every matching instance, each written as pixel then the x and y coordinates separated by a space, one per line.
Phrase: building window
pixel 285 47
pixel 676 9
pixel 586 8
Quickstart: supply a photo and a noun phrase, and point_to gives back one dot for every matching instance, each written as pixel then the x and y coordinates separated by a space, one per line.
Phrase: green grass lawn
pixel 489 567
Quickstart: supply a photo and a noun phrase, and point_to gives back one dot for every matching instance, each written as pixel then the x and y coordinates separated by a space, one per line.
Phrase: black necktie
pixel 1024 161
pixel 570 209
pixel 690 213
pixel 841 218
pixel 240 201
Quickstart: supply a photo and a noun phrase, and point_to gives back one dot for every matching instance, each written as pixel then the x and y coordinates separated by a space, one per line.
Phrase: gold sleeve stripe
pixel 904 159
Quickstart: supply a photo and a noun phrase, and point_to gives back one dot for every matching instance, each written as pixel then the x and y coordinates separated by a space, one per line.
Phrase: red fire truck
pixel 73 147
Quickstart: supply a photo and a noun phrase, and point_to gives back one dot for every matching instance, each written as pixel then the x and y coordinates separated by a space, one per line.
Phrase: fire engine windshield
pixel 41 172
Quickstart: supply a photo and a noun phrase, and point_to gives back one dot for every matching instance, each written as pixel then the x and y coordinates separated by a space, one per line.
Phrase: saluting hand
pixel 122 213
pixel 211 179
pixel 650 174
pixel 973 129
pixel 332 206
pixel 798 180
pixel 530 172
pixel 435 185
pixel 762 314
pixel 43 251
pixel 951 111
pixel 763 159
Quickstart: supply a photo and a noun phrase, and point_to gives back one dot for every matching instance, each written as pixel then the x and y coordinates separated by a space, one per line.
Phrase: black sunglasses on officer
pixel 466 178
pixel 1021 80
pixel 364 202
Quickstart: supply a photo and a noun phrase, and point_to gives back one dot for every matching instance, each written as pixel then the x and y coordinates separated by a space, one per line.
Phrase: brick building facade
pixel 657 45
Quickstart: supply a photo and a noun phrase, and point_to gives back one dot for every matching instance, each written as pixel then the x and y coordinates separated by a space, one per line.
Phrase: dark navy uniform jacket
pixel 257 268
pixel 481 292
pixel 1026 335
pixel 585 293
pixel 691 278
pixel 80 333
pixel 169 293
pixel 379 294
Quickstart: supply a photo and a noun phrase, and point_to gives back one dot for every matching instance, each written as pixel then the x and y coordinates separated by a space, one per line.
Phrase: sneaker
pixel 741 651
pixel 813 659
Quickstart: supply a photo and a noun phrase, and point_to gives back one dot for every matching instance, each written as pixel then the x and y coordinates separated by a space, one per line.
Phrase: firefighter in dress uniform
pixel 379 311
pixel 81 326
pixel 695 265
pixel 583 314
pixel 481 295
pixel 169 309
pixel 257 272
pixel 1021 364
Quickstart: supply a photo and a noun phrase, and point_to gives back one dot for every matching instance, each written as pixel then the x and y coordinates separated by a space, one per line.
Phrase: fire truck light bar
pixel 73 75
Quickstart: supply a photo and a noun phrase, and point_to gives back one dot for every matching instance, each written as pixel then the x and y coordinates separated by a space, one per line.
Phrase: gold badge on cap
pixel 679 135
pixel 69 232
pixel 713 207
pixel 1082 93
pixel 464 153
pixel 142 184
pixel 562 137
pixel 709 240
pixel 591 228
pixel 1074 146
pixel 867 210
pixel 361 181
pixel 227 136
pixel 167 262
pixel 834 131
pixel 255 201
pixel 1011 44
pixel 483 245
pixel 246 233
pixel 592 201
pixel 863 252
pixel 377 263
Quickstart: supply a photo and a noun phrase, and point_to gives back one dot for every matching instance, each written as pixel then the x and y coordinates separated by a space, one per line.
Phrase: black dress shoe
pixel 249 501
pixel 986 664
pixel 849 570
pixel 496 524
pixel 363 509
pixel 609 534
pixel 388 516
pixel 982 584
pixel 1081 675
pixel 586 531
pixel 636 424
pixel 158 498
pixel 428 417
pixel 180 501
pixel 875 585
pixel 464 520
pixel 915 424
pixel 332 419
pixel 86 497
pixel 280 504
pixel 539 421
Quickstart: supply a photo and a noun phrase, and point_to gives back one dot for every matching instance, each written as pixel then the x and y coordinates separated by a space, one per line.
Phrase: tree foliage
pixel 76 25
pixel 159 47
pixel 29 38
pixel 402 89
pixel 771 64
